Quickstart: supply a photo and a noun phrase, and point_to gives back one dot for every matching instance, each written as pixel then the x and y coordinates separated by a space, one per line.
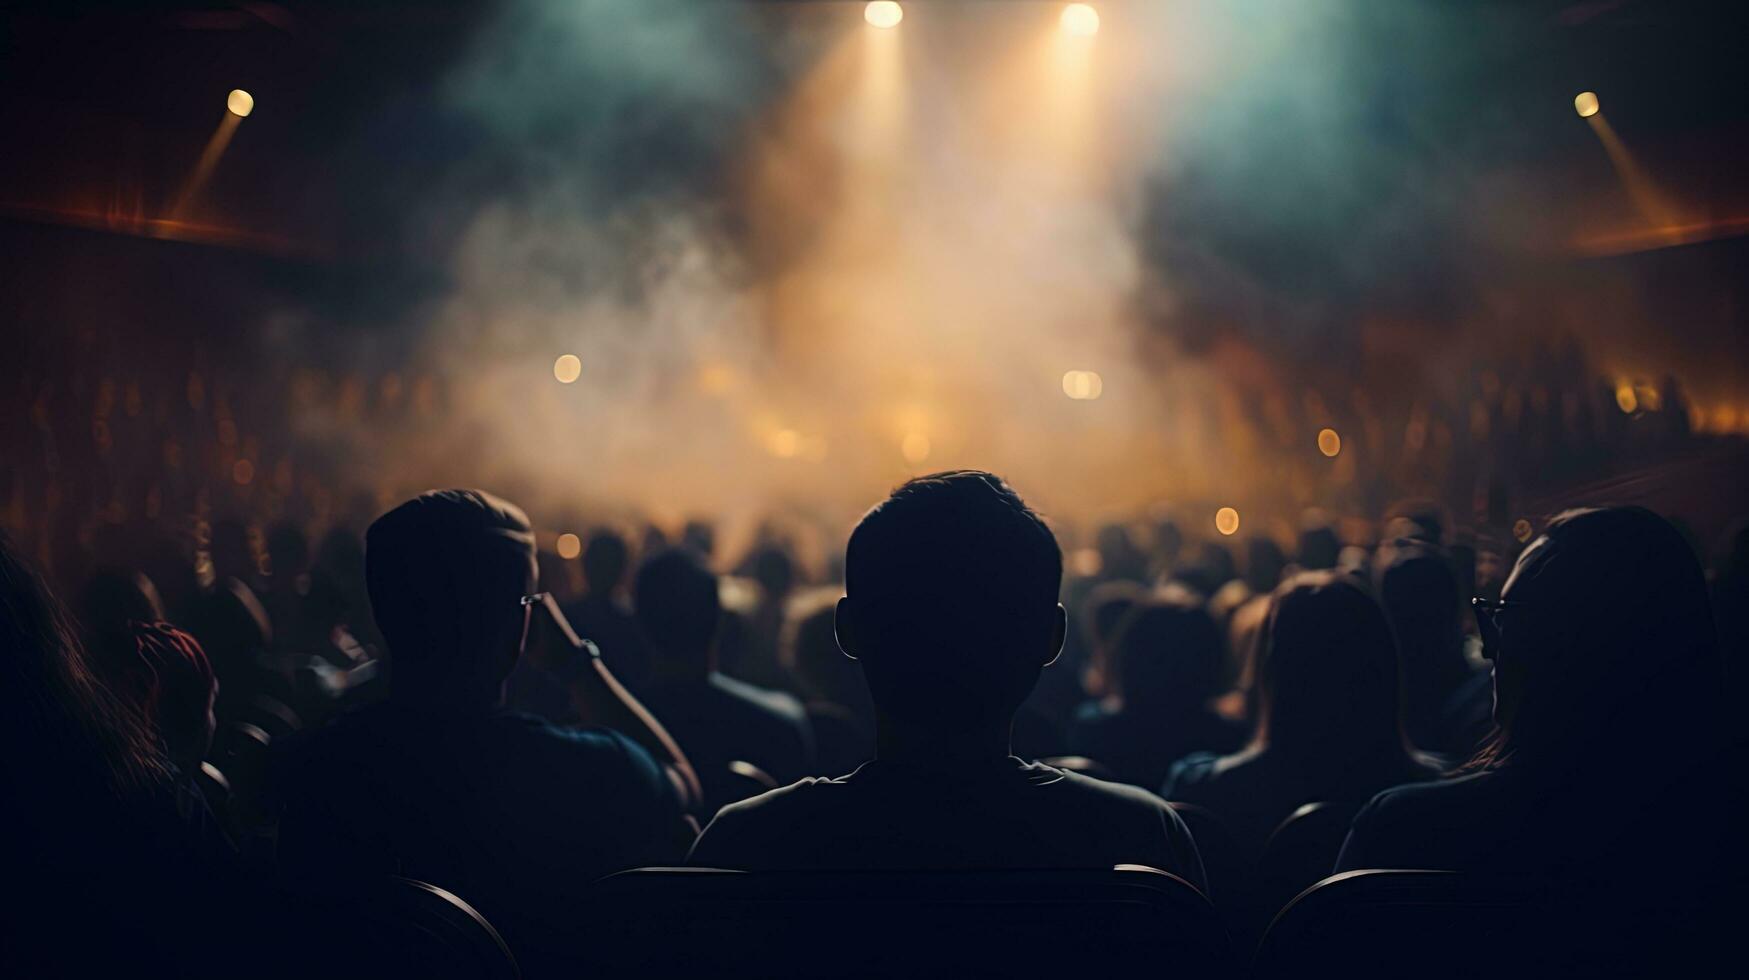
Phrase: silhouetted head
pixel 1319 547
pixel 173 686
pixel 809 648
pixel 1604 642
pixel 605 559
pixel 1264 562
pixel 1168 657
pixel 774 570
pixel 1327 672
pixel 1420 594
pixel 288 551
pixel 447 572
pixel 678 608
pixel 951 601
pixel 232 551
pixel 699 537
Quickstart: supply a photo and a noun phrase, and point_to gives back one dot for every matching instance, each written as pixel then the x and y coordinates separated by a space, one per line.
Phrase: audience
pixel 604 616
pixel 1329 721
pixel 1168 671
pixel 1445 697
pixel 951 608
pixel 443 784
pixel 717 719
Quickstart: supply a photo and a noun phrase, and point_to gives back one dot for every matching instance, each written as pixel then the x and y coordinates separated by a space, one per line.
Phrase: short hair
pixel 445 571
pixel 677 603
pixel 1168 653
pixel 952 569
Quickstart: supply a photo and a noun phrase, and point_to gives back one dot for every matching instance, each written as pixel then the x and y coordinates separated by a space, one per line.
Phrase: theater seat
pixel 1300 853
pixel 409 928
pixel 710 923
pixel 1376 924
pixel 1228 872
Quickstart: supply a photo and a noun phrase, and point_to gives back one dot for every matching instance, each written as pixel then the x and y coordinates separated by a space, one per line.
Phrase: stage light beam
pixel 1585 103
pixel 1080 20
pixel 883 14
pixel 240 103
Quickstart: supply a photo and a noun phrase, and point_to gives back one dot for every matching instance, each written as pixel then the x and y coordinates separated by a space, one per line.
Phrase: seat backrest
pixel 414 929
pixel 1300 853
pixel 1228 871
pixel 1365 924
pixel 705 922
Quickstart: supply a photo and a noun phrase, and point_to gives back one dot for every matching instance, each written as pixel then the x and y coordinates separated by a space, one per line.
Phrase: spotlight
pixel 1080 19
pixel 240 103
pixel 1329 443
pixel 1585 103
pixel 883 13
pixel 568 368
pixel 915 447
pixel 569 546
pixel 1082 385
pixel 1227 521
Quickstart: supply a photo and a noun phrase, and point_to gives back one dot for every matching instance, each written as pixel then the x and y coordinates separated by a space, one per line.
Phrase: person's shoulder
pixel 750 831
pixel 1093 791
pixel 602 748
pixel 1434 796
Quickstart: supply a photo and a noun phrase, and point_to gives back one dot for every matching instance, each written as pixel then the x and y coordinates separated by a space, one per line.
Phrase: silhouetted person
pixel 1168 669
pixel 1329 715
pixel 1606 682
pixel 1445 699
pixel 440 782
pixel 951 607
pixel 604 616
pixel 1319 547
pixel 1101 613
pixel 101 874
pixel 717 719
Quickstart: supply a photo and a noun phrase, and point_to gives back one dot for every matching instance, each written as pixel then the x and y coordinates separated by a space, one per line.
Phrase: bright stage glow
pixel 240 103
pixel 568 368
pixel 1083 386
pixel 1625 399
pixel 569 546
pixel 785 443
pixel 1080 19
pixel 915 447
pixel 883 13
pixel 1227 521
pixel 1329 443
pixel 1585 103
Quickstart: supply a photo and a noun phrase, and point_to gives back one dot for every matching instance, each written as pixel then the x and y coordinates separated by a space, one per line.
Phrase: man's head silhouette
pixel 447 572
pixel 951 602
pixel 675 599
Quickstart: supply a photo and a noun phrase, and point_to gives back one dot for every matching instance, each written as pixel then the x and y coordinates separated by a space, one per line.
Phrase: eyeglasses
pixel 1491 621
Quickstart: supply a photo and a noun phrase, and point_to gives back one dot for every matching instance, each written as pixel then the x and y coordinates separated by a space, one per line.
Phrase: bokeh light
pixel 1227 520
pixel 1080 19
pixel 240 103
pixel 1083 385
pixel 243 472
pixel 1625 399
pixel 569 546
pixel 1521 530
pixel 1329 443
pixel 915 447
pixel 785 443
pixel 1585 103
pixel 883 13
pixel 568 368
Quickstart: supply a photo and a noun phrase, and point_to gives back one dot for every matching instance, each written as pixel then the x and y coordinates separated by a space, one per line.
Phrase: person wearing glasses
pixel 1606 768
pixel 441 782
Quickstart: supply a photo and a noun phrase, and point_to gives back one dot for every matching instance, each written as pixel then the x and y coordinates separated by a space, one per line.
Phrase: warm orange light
pixel 1585 103
pixel 240 103
pixel 568 368
pixel 915 447
pixel 1329 443
pixel 1083 385
pixel 785 443
pixel 1625 399
pixel 1227 520
pixel 883 13
pixel 569 546
pixel 1521 530
pixel 1080 19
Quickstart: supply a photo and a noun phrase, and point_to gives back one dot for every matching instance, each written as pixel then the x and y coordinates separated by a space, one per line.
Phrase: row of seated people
pixel 1605 670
